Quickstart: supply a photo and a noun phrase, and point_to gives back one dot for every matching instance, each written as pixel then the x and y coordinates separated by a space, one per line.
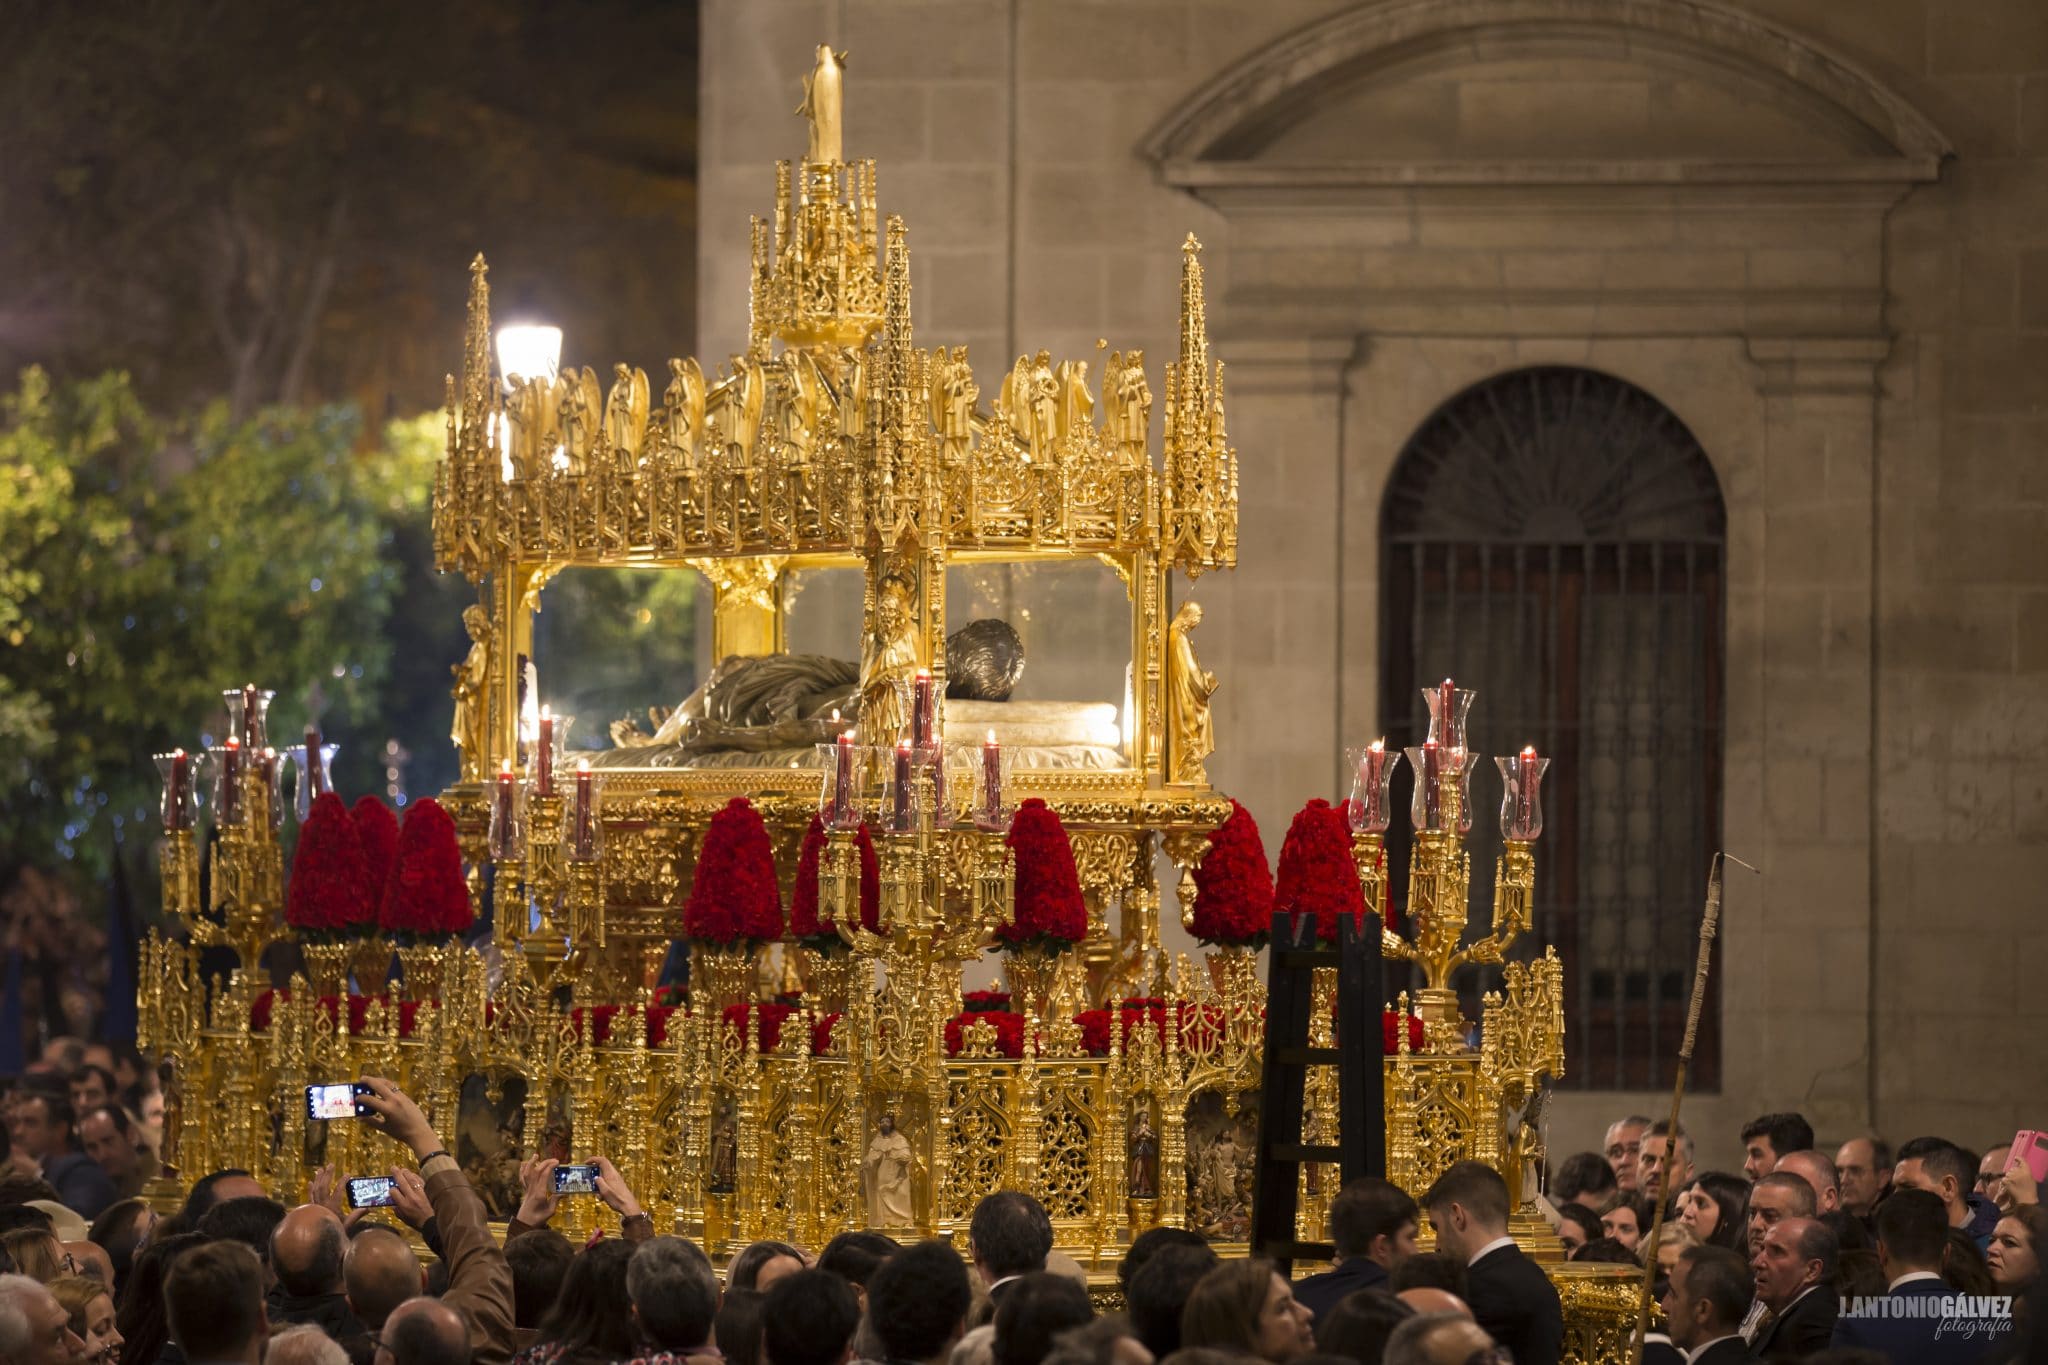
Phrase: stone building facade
pixel 1817 233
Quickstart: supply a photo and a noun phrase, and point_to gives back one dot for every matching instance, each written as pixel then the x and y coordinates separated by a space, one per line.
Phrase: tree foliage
pixel 147 564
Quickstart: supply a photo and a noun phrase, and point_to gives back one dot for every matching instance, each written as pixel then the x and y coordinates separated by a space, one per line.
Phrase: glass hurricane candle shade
pixel 1448 708
pixel 842 782
pixel 248 724
pixel 311 782
pixel 226 771
pixel 1521 800
pixel 1432 767
pixel 182 773
pixel 507 837
pixel 271 764
pixel 584 829
pixel 983 778
pixel 557 729
pixel 1372 775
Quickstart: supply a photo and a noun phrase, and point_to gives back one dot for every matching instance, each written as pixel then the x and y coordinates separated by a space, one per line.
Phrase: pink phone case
pixel 2032 1148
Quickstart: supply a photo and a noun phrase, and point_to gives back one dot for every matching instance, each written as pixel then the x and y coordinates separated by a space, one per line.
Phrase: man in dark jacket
pixel 44 1129
pixel 306 1253
pixel 1911 1325
pixel 1510 1295
pixel 1795 1272
pixel 1373 1225
pixel 1945 1170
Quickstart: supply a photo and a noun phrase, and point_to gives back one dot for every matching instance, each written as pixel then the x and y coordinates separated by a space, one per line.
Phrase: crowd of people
pixel 1757 1266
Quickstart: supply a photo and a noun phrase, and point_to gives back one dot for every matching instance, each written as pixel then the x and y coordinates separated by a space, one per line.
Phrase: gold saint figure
pixel 470 692
pixel 888 661
pixel 1188 689
pixel 822 90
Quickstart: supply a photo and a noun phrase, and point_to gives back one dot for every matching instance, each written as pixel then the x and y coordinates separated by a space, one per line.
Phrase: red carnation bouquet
pixel 329 896
pixel 1233 886
pixel 1317 875
pixel 983 1002
pixel 1051 915
pixel 768 1022
pixel 806 924
pixel 1390 1033
pixel 377 834
pixel 426 898
pixel 734 898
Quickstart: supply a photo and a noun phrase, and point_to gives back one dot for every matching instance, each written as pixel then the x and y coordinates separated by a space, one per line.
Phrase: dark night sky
pixel 279 201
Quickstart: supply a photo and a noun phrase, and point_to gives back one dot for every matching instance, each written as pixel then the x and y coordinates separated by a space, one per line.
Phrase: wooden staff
pixel 1710 923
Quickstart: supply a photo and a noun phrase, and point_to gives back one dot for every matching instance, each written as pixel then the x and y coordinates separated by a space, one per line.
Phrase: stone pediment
pixel 1462 92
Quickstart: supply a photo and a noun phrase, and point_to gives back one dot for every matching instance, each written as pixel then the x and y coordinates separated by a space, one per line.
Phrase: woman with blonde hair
pixel 36 1253
pixel 1246 1307
pixel 1664 1250
pixel 90 1306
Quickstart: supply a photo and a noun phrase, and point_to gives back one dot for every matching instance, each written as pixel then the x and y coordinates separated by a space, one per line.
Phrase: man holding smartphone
pixel 479 1280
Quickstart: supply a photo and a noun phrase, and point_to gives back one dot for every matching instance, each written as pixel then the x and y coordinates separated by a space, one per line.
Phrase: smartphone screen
pixel 336 1101
pixel 575 1180
pixel 370 1192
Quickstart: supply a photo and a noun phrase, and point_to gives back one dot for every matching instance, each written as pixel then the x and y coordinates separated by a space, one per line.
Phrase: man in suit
pixel 1794 1271
pixel 1009 1237
pixel 1705 1303
pixel 1373 1224
pixel 1907 1326
pixel 1510 1296
pixel 1665 1166
pixel 1765 1141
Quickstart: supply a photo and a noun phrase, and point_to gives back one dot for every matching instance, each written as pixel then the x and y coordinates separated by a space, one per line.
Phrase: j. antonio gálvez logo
pixel 1959 1315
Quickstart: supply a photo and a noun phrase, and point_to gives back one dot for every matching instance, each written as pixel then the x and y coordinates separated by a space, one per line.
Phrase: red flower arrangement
pixel 1233 886
pixel 982 1002
pixel 671 996
pixel 806 925
pixel 1008 1024
pixel 768 1022
pixel 734 898
pixel 377 835
pixel 426 896
pixel 1317 875
pixel 329 894
pixel 1095 1025
pixel 1390 1033
pixel 1051 915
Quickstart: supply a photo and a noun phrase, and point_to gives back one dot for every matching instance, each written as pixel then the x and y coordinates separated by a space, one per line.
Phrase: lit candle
pixel 315 770
pixel 505 795
pixel 921 709
pixel 1432 814
pixel 179 816
pixel 251 730
pixel 231 783
pixel 269 771
pixel 1525 790
pixel 842 782
pixel 991 780
pixel 544 756
pixel 1375 784
pixel 900 820
pixel 584 845
pixel 1447 711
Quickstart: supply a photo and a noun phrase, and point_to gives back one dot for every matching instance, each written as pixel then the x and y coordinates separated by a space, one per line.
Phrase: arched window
pixel 1554 538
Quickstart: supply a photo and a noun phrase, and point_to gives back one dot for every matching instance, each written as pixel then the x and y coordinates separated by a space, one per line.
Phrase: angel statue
pixel 684 405
pixel 1014 399
pixel 471 692
pixel 1045 403
pixel 822 93
pixel 1188 689
pixel 523 422
pixel 625 412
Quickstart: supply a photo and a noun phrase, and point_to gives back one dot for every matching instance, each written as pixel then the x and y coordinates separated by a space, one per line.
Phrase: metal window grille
pixel 1554 538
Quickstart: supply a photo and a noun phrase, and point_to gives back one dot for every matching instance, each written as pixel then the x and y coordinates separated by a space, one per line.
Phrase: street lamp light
pixel 529 351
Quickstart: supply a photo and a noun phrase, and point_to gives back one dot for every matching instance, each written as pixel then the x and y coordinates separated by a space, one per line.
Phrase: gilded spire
pixel 476 356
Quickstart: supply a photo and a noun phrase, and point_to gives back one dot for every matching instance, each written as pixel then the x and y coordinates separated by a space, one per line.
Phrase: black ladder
pixel 1361 1147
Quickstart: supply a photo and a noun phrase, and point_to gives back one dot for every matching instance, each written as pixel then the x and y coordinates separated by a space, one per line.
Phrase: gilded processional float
pixel 824 1071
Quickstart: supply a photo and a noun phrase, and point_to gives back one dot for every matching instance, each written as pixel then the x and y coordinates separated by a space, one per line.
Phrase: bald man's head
pixel 423 1331
pixel 306 1252
pixel 1428 1300
pixel 380 1274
